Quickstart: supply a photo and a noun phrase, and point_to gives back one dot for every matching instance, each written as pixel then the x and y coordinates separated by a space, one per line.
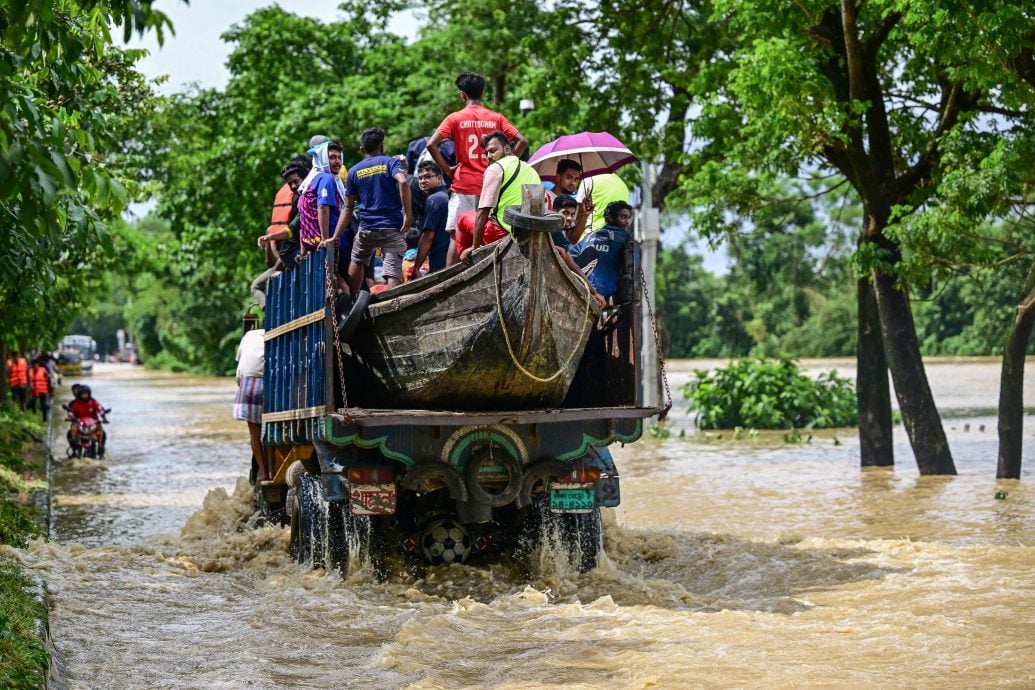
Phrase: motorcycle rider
pixel 86 407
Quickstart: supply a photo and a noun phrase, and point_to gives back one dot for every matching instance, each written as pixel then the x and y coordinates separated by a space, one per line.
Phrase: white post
pixel 648 230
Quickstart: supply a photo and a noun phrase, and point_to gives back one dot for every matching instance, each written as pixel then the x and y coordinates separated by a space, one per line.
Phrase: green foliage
pixel 23 656
pixel 764 394
pixel 67 96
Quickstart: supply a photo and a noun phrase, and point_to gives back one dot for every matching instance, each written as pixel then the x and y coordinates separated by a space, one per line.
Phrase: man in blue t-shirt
pixel 379 182
pixel 434 240
pixel 600 254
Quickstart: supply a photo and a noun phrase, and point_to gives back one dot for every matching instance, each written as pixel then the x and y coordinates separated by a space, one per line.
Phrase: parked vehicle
pixel 465 413
pixel 85 346
pixel 70 363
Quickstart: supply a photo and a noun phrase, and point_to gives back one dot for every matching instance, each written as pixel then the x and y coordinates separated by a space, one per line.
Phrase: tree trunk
pixel 1011 385
pixel 871 385
pixel 499 82
pixel 919 413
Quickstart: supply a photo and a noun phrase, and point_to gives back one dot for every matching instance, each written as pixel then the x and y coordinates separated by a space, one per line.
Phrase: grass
pixel 23 655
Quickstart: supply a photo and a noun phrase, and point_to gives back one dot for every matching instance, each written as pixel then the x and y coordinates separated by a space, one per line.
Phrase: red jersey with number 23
pixel 466 128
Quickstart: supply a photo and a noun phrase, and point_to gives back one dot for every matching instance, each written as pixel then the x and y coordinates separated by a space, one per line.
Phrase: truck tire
pixel 309 540
pixel 578 535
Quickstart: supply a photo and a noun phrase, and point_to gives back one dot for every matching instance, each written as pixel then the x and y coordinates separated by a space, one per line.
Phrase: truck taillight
pixel 371 475
pixel 586 475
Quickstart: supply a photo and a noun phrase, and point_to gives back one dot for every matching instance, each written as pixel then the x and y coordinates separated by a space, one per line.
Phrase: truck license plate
pixel 372 499
pixel 572 498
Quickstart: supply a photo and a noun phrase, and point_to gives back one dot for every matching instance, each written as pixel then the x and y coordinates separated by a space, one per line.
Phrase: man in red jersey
pixel 467 127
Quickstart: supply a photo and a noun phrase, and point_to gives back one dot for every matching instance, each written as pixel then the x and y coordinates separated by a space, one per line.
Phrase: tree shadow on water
pixel 714 572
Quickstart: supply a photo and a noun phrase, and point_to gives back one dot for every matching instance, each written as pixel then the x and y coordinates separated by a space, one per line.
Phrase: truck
pixel 454 417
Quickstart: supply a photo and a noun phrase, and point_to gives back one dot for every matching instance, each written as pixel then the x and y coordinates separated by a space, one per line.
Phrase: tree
pixel 875 92
pixel 686 297
pixel 66 93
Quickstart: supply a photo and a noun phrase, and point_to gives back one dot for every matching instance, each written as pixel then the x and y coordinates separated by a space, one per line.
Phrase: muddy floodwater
pixel 730 563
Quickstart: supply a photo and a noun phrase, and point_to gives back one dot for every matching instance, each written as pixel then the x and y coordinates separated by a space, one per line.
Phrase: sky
pixel 196 53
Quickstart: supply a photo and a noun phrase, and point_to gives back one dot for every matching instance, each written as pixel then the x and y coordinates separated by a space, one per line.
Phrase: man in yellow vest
pixel 18 378
pixel 501 187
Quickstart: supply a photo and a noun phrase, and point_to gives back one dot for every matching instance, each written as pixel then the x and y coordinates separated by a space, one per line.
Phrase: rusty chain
pixel 332 299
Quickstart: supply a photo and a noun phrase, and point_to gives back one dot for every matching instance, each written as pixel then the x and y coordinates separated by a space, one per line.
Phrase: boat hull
pixel 506 332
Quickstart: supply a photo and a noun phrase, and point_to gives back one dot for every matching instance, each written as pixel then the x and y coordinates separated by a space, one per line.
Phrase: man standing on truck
pixel 380 184
pixel 434 240
pixel 467 128
pixel 319 204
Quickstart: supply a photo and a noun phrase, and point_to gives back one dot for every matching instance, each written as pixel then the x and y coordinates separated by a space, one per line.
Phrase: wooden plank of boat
pixel 506 332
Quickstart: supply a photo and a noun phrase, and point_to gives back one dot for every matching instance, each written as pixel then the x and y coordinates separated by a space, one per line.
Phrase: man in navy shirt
pixel 379 182
pixel 600 254
pixel 434 240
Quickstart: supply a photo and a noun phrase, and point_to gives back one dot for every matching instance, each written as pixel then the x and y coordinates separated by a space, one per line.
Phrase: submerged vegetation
pixel 761 394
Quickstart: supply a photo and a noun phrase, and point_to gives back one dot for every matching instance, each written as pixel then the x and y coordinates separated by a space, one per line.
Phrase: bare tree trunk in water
pixel 919 413
pixel 1011 385
pixel 871 385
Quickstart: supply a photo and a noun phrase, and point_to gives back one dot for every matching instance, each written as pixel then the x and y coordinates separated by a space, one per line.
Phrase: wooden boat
pixel 505 333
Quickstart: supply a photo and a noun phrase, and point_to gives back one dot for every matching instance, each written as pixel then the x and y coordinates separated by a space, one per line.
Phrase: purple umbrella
pixel 598 152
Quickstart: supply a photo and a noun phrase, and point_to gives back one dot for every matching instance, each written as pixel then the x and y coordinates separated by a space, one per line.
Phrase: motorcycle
pixel 84 444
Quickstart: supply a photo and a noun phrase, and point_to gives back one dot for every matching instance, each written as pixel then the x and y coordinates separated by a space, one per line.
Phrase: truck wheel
pixel 341 535
pixel 580 534
pixel 576 535
pixel 310 539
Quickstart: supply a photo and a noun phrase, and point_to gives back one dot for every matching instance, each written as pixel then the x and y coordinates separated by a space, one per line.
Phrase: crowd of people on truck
pixel 421 212
pixel 433 206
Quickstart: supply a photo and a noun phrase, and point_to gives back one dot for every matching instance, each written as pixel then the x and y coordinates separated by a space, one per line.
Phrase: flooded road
pixel 730 563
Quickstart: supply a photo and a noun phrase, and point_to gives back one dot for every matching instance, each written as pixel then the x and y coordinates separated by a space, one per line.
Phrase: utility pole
pixel 648 230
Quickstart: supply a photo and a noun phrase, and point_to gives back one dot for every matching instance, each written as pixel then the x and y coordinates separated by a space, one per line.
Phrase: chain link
pixel 332 298
pixel 657 346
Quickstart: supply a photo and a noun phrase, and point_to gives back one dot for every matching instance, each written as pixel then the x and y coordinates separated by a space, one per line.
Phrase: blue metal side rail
pixel 298 382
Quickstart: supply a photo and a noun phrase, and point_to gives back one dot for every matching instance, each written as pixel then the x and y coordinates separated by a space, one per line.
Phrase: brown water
pixel 730 563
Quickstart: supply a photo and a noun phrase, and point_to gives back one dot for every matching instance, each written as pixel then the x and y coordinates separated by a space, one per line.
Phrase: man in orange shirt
pixel 467 127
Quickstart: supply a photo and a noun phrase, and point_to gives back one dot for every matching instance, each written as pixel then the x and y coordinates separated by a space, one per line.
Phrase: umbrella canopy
pixel 597 152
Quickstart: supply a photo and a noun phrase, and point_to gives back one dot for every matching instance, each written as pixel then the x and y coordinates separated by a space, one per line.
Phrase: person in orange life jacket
pixel 41 385
pixel 501 186
pixel 283 238
pixel 86 407
pixel 18 379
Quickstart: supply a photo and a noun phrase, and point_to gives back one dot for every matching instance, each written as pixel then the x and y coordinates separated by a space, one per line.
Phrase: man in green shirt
pixel 601 190
pixel 501 187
